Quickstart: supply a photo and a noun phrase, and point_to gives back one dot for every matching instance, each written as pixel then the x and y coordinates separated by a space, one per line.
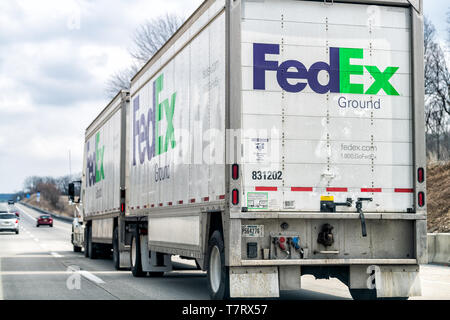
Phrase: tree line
pixel 50 188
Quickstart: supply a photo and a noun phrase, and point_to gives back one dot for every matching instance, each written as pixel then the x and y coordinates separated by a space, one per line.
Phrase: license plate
pixel 253 231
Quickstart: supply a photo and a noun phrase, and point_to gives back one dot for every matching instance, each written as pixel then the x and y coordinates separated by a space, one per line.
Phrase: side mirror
pixel 71 192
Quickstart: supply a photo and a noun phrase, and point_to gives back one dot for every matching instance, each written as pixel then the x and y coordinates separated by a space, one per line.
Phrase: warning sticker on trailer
pixel 260 151
pixel 257 200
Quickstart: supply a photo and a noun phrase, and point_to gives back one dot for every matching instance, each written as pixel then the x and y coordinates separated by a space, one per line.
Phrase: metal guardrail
pixel 55 216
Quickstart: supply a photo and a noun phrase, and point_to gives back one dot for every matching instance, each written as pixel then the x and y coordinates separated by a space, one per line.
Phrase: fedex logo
pixel 293 76
pixel 95 170
pixel 144 144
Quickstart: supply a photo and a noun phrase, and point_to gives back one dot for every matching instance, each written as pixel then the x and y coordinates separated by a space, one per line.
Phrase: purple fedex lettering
pixel 332 69
pixel 135 127
pixel 293 69
pixel 260 64
pixel 283 74
pixel 141 132
pixel 91 163
pixel 137 132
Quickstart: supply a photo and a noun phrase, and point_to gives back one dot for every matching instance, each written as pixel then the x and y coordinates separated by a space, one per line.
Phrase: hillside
pixel 63 206
pixel 438 193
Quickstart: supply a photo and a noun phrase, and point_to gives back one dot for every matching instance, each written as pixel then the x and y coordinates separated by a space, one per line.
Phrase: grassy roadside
pixel 62 208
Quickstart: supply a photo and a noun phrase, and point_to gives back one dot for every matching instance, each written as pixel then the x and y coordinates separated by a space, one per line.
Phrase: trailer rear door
pixel 326 105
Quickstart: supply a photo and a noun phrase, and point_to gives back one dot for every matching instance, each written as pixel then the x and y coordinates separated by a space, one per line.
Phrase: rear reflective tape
pixel 370 189
pixel 302 189
pixel 337 189
pixel 403 190
pixel 266 188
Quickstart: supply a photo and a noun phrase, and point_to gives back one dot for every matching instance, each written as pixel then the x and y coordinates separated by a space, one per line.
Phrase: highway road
pixel 39 263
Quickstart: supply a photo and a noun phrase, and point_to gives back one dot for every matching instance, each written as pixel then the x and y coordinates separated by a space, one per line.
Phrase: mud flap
pixel 150 261
pixel 124 257
pixel 254 282
pixel 389 281
pixel 394 282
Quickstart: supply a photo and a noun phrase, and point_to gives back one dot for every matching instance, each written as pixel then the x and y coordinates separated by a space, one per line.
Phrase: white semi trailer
pixel 268 140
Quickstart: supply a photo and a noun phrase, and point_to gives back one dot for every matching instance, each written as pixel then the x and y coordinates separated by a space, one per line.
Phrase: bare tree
pixel 147 40
pixel 437 84
pixel 120 80
pixel 151 36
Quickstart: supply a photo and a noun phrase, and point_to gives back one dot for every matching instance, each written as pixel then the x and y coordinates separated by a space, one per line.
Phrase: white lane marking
pixel 91 274
pixel 91 277
pixel 31 217
pixel 56 255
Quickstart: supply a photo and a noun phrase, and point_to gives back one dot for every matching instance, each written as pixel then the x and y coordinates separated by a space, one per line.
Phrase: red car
pixel 44 220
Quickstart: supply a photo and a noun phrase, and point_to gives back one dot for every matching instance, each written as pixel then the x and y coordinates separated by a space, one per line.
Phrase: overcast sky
pixel 55 58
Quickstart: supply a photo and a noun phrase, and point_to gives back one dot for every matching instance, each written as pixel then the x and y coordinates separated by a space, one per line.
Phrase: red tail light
pixel 122 200
pixel 235 171
pixel 235 197
pixel 17 221
pixel 420 175
pixel 421 198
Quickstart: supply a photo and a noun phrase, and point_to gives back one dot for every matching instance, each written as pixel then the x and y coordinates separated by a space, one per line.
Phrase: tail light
pixel 235 171
pixel 420 175
pixel 235 197
pixel 17 221
pixel 122 200
pixel 421 198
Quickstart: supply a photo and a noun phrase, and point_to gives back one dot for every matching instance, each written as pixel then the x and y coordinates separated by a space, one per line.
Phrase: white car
pixel 9 222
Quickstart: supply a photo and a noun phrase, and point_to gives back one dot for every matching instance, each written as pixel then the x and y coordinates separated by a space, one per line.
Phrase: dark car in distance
pixel 44 220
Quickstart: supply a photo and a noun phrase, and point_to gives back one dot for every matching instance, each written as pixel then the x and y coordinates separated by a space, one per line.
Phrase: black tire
pixel 136 265
pixel 76 249
pixel 37 226
pixel 17 231
pixel 116 253
pixel 92 248
pixel 368 294
pixel 218 280
pixel 86 241
pixel 51 226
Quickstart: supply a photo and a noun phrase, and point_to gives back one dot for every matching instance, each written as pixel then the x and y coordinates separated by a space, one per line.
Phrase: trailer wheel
pixel 370 294
pixel 135 255
pixel 218 273
pixel 92 248
pixel 76 249
pixel 116 253
pixel 86 241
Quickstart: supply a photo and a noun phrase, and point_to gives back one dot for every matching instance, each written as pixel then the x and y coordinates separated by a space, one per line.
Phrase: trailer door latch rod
pixel 359 203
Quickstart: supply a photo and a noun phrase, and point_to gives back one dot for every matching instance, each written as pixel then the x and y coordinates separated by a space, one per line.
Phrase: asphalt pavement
pixel 39 263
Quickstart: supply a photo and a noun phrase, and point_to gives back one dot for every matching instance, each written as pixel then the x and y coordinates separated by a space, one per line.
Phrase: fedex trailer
pixel 268 140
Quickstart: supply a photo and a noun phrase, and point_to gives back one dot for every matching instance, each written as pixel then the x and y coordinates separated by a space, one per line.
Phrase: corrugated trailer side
pixel 176 136
pixel 103 176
